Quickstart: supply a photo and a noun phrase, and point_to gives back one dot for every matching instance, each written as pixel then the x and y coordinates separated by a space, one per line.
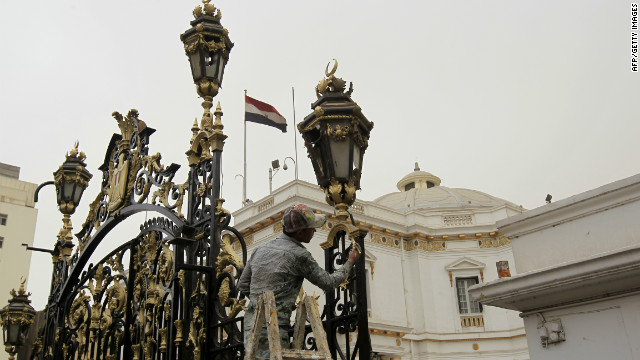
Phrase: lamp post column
pixel 70 180
pixel 207 45
pixel 336 135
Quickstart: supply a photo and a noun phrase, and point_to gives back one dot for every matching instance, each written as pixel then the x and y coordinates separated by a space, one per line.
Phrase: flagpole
pixel 295 139
pixel 244 176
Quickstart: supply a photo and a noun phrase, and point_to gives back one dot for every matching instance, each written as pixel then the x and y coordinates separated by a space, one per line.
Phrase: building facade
pixel 426 245
pixel 17 227
pixel 578 288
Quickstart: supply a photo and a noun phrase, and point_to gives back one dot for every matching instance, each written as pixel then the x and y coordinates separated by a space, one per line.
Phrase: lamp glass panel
pixel 317 161
pixel 68 191
pixel 340 157
pixel 356 157
pixel 77 194
pixel 196 66
pixel 13 333
pixel 24 331
pixel 221 64
pixel 211 64
pixel 58 193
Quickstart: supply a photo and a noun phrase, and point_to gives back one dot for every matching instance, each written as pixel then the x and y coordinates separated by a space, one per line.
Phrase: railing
pixel 471 321
pixel 457 220
pixel 357 208
pixel 265 204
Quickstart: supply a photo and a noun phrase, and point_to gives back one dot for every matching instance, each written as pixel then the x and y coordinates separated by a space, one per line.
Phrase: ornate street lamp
pixel 207 45
pixel 71 179
pixel 16 318
pixel 336 136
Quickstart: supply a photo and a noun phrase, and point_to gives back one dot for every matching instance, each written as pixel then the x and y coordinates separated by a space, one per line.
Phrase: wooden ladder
pixel 266 311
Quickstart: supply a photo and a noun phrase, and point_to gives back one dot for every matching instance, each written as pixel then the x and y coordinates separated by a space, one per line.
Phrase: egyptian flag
pixel 263 113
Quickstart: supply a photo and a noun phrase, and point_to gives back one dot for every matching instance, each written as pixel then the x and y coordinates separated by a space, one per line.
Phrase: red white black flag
pixel 262 113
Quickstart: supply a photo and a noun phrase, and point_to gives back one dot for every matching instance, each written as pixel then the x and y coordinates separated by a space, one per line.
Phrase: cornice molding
pixel 599 277
pixel 575 207
pixel 458 337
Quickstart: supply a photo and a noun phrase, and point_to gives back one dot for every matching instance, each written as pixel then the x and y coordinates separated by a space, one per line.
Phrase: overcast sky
pixel 513 98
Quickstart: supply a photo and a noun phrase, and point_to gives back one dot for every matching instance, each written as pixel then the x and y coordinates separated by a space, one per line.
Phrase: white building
pixel 17 227
pixel 578 287
pixel 426 245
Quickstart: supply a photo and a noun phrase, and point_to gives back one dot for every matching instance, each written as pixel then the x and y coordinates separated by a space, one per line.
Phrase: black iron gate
pixel 170 292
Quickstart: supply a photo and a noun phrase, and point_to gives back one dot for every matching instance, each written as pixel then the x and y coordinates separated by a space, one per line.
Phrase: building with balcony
pixel 426 245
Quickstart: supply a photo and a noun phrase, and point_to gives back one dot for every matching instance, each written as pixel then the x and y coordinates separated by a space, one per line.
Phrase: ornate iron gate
pixel 170 292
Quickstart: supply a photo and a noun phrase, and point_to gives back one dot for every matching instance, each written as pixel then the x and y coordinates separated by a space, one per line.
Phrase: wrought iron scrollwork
pixel 94 320
pixel 128 175
pixel 345 311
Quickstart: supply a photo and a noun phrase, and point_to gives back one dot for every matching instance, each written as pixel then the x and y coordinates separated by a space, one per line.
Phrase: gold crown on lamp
pixel 206 9
pixel 75 153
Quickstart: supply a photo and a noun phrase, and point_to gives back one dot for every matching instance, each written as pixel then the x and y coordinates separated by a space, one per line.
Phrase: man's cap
pixel 299 217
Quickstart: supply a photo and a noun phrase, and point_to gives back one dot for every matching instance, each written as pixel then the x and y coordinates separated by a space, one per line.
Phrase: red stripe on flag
pixel 260 105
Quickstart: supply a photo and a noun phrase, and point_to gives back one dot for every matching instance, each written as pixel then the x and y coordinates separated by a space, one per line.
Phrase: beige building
pixel 17 226
pixel 426 245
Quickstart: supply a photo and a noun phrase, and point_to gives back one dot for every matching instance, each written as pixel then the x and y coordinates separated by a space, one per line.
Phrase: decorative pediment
pixel 465 263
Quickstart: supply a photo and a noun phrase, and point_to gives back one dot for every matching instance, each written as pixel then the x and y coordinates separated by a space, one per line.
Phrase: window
pixel 3 219
pixel 409 186
pixel 465 304
pixel 1 240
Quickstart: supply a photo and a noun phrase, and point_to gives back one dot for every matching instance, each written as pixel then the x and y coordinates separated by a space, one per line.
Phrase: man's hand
pixel 355 252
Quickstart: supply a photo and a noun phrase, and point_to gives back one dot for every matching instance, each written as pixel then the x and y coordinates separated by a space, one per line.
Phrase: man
pixel 281 265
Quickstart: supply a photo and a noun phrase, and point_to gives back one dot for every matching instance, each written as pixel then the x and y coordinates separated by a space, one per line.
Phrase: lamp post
pixel 207 45
pixel 336 136
pixel 71 179
pixel 273 170
pixel 16 318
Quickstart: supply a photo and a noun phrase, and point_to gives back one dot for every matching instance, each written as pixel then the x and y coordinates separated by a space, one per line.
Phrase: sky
pixel 517 99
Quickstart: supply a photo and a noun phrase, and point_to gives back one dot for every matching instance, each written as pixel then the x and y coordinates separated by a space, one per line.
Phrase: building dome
pixel 422 190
